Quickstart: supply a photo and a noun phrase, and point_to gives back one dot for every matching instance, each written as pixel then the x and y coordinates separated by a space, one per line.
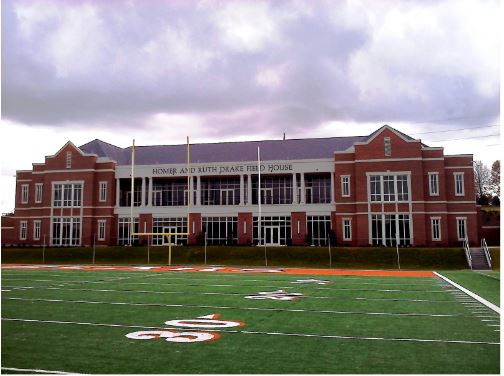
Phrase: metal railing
pixel 468 252
pixel 484 247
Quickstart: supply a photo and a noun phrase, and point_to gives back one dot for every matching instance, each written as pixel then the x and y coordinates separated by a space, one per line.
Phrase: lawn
pixel 78 321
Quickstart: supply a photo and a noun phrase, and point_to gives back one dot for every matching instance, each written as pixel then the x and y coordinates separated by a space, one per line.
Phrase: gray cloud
pixel 266 66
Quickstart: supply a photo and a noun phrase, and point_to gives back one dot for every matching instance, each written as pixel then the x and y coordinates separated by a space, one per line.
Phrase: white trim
pixel 343 228
pixel 84 207
pixel 490 227
pixel 380 130
pixel 349 193
pixel 23 180
pixel 30 370
pixel 457 167
pixel 439 238
pixel 71 171
pixel 470 293
pixel 459 155
pixel 455 174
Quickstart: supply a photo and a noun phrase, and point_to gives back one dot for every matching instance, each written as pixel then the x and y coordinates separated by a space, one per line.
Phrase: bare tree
pixel 482 177
pixel 495 178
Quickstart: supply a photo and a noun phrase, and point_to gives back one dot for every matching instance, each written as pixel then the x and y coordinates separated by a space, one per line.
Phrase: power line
pixel 458 129
pixel 466 138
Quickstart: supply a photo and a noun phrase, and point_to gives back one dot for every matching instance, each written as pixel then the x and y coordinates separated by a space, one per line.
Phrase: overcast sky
pixel 159 71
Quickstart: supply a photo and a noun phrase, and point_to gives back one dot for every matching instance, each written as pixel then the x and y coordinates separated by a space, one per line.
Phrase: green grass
pixel 336 328
pixel 484 284
pixel 318 257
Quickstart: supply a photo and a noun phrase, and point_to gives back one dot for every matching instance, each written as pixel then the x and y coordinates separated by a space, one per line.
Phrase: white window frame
pixel 37 226
pixel 347 223
pixel 23 230
pixel 462 190
pixel 435 225
pixel 435 176
pixel 345 186
pixel 25 188
pixel 38 192
pixel 102 191
pixel 458 220
pixel 387 145
pixel 102 226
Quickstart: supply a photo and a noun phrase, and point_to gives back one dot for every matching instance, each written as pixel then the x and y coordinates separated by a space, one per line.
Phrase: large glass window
pixel 274 230
pixel 221 191
pixel 169 225
pixel 123 234
pixel 387 229
pixel 67 195
pixel 274 190
pixel 395 188
pixel 318 229
pixel 318 189
pixel 221 230
pixel 66 231
pixel 125 192
pixel 169 192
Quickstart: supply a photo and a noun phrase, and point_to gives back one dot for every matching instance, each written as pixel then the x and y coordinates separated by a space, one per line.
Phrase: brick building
pixel 358 191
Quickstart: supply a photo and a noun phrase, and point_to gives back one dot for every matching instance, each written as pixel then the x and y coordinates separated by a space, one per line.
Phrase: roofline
pixel 380 130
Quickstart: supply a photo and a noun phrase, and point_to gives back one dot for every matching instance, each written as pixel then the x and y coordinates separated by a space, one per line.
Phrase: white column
pixel 294 189
pixel 249 189
pixel 190 193
pixel 242 201
pixel 118 192
pixel 303 190
pixel 149 194
pixel 198 190
pixel 332 188
pixel 143 192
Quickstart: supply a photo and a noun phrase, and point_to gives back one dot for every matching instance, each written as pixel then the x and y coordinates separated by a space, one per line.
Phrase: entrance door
pixel 167 230
pixel 272 235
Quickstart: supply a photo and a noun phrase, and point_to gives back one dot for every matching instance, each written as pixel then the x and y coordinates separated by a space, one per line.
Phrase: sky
pixel 158 71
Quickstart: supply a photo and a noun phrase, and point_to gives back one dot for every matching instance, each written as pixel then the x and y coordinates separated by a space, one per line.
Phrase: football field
pixel 134 320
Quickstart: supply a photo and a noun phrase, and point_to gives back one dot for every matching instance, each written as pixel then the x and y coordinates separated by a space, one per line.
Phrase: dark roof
pixel 308 148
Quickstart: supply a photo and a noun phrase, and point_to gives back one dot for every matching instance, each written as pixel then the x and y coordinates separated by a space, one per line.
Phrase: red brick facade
pixel 387 154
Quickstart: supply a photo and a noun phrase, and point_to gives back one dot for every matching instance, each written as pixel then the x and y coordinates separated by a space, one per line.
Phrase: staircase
pixel 478 259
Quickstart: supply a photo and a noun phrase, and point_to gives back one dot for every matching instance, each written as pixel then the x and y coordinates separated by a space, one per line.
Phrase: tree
pixel 482 177
pixel 495 178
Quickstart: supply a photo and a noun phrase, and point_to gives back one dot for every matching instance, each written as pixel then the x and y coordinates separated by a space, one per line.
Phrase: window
pixel 274 190
pixel 36 230
pixel 101 229
pixel 221 230
pixel 394 187
pixel 318 189
pixel 166 192
pixel 66 231
pixel 436 228
pixel 347 229
pixel 434 183
pixel 387 229
pixel 387 146
pixel 345 186
pixel 38 192
pixel 103 191
pixel 459 183
pixel 23 230
pixel 461 228
pixel 24 193
pixel 169 225
pixel 123 234
pixel 69 159
pixel 388 188
pixel 319 227
pixel 67 195
pixel 274 230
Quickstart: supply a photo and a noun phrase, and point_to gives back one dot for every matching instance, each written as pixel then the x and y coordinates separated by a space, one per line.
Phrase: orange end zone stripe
pixel 370 273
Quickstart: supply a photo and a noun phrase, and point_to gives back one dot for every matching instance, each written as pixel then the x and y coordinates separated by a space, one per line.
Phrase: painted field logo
pixel 276 295
pixel 203 322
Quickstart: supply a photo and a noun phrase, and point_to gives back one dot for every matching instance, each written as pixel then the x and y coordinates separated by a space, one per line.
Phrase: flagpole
pixel 259 229
pixel 132 227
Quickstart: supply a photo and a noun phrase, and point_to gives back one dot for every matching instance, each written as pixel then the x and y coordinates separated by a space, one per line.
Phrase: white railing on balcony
pixel 484 247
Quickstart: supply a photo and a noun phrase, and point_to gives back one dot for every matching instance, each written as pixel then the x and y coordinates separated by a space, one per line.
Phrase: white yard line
pixel 470 293
pixel 38 371
pixel 238 308
pixel 420 340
